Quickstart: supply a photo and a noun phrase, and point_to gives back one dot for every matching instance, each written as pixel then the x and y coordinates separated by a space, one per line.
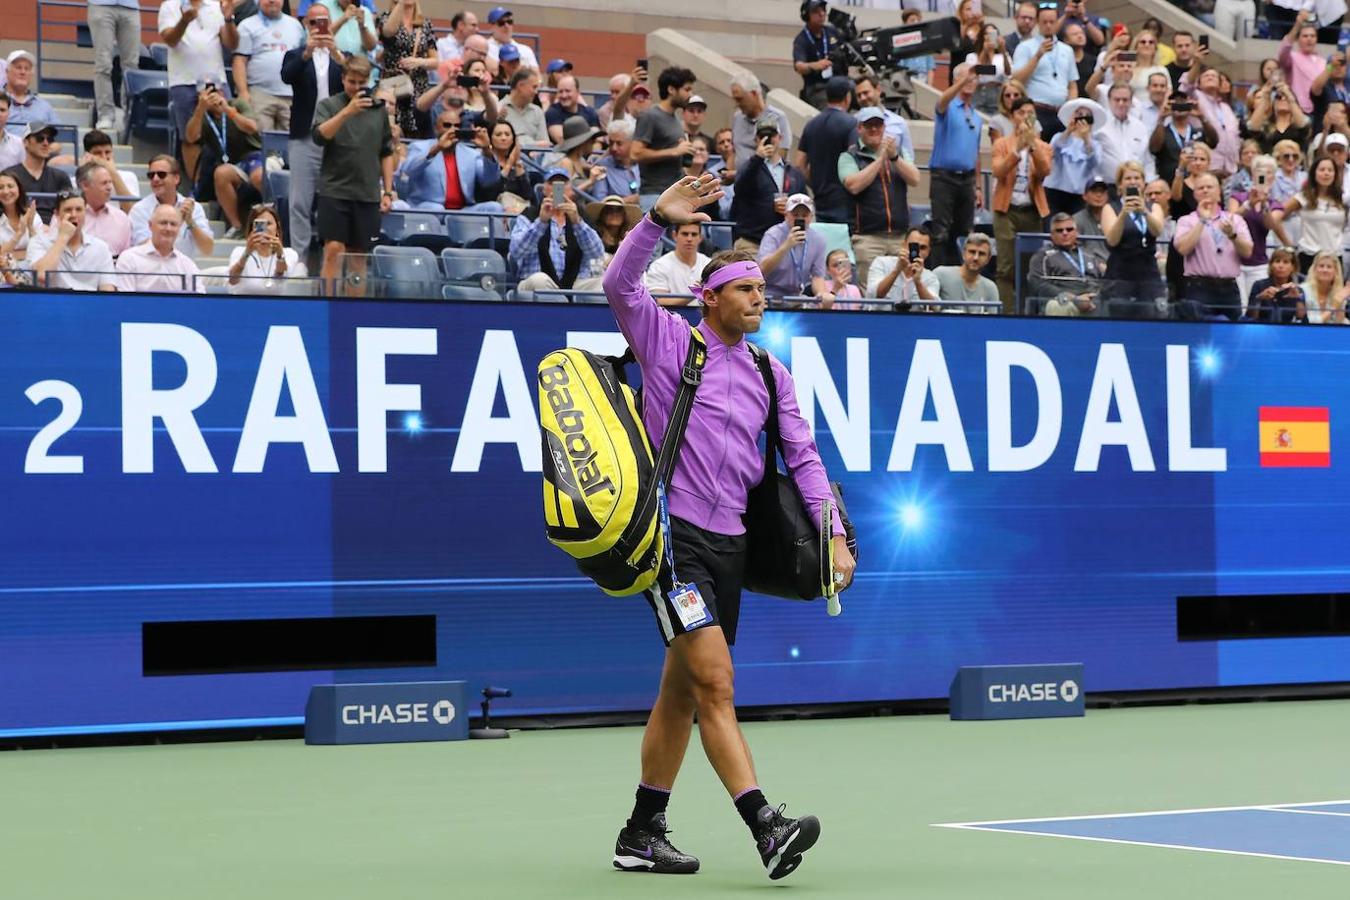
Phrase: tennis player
pixel 698 604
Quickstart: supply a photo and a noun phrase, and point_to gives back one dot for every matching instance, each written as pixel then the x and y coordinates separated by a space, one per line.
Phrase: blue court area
pixel 1309 832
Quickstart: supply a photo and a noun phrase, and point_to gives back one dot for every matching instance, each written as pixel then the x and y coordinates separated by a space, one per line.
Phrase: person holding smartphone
pixel 1277 297
pixel 263 256
pixel 1255 205
pixel 1048 70
pixel 449 171
pixel 1132 285
pixel 763 185
pixel 792 256
pixel 552 245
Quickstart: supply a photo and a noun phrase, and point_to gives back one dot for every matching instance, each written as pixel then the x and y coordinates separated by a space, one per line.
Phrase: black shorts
pixel 352 223
pixel 715 563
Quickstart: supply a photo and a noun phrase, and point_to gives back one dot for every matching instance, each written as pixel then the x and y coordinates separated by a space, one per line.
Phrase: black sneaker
pixel 782 841
pixel 644 848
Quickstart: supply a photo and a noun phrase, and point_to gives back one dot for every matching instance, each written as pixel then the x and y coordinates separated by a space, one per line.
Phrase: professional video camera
pixel 881 52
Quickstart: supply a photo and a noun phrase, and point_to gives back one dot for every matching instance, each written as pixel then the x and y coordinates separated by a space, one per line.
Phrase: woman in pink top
pixel 1302 64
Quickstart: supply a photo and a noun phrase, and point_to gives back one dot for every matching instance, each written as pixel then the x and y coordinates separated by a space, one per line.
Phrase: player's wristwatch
pixel 659 219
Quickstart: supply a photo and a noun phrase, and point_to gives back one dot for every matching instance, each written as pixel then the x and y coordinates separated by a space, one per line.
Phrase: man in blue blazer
pixel 423 180
pixel 314 72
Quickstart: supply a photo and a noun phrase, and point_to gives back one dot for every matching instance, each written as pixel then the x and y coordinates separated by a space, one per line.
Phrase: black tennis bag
pixel 786 550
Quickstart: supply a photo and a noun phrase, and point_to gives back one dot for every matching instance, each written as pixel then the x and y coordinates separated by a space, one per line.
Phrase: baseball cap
pixel 1336 139
pixel 1096 184
pixel 766 123
pixel 556 174
pixel 815 4
pixel 20 54
pixel 557 65
pixel 695 100
pixel 640 88
pixel 837 88
pixel 497 13
pixel 797 200
pixel 508 52
pixel 868 114
pixel 38 126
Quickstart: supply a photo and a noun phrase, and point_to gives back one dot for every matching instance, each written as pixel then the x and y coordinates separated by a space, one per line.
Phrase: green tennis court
pixel 536 816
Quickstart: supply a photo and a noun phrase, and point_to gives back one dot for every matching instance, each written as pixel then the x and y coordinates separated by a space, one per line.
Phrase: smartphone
pixel 467 81
pixel 259 226
pixel 1262 179
pixel 465 134
pixel 1204 41
pixel 1127 56
pixel 1132 191
pixel 986 70
pixel 558 196
pixel 915 251
pixel 320 26
pixel 642 63
pixel 799 224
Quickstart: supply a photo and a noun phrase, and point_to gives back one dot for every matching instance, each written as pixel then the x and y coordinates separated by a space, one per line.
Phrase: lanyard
pixel 1082 264
pixel 823 45
pixel 798 257
pixel 1215 234
pixel 665 531
pixel 220 136
pixel 1137 219
pixel 1180 142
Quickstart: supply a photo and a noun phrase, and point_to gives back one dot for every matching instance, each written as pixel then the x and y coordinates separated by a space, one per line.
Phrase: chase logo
pixel 382 713
pixel 1068 691
pixel 444 712
pixel 1017 692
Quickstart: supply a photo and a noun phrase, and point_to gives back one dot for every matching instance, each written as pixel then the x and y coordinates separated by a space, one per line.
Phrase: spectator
pixel 1277 297
pixel 670 277
pixel 698 162
pixel 639 101
pixel 195 239
pixel 98 148
pixel 612 219
pixel 555 249
pixel 1001 125
pixel 877 178
pixel 1165 54
pixel 1048 70
pixel 462 25
pixel 505 152
pixel 508 63
pixel 811 52
pixel 920 68
pixel 825 137
pixel 63 256
pixel 358 160
pixel 11 146
pixel 619 86
pixel 352 25
pixel 908 285
pixel 1201 83
pixel 19 221
pixel 750 110
pixel 763 185
pixel 725 169
pixel 1159 193
pixel 792 256
pixel 1325 291
pixel 659 142
pixel 264 40
pixel 1334 122
pixel 868 95
pixel 102 218
pixel 970 21
pixel 1119 69
pixel 448 172
pixel 476 47
pixel 1024 21
pixel 1321 211
pixel 313 73
pixel 231 159
pixel 1133 283
pixel 566 104
pixel 1301 65
pixel 954 162
pixel 35 173
pixel 503 35
pixel 263 257
pixel 477 99
pixel 1211 241
pixel 1329 87
pixel 694 113
pixel 989 52
pixel 1183 42
pixel 847 294
pixel 196 58
pixel 1021 163
pixel 1154 107
pixel 1276 117
pixel 409 49
pixel 1241 180
pixel 1123 136
pixel 621 174
pixel 1067 267
pixel 578 140
pixel 157 266
pixel 1254 205
pixel 521 111
pixel 25 105
pixel 1173 135
pixel 1146 63
pixel 963 285
pixel 1088 220
pixel 1290 176
pixel 115 29
pixel 1075 15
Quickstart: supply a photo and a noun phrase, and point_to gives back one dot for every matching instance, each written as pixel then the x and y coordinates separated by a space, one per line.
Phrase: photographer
pixel 906 284
pixel 762 187
pixel 357 144
pixel 811 51
pixel 1048 69
pixel 792 256
pixel 449 172
pixel 1277 297
pixel 556 249
pixel 1178 127
pixel 1276 117
pixel 1133 283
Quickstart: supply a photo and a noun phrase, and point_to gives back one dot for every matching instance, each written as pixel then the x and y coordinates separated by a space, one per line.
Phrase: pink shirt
pixel 1299 70
pixel 143 269
pixel 1215 256
pixel 111 225
pixel 1223 157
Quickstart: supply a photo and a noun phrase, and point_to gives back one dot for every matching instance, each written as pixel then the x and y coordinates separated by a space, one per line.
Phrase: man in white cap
pixel 115 27
pixel 877 179
pixel 792 256
pixel 25 105
pixel 695 110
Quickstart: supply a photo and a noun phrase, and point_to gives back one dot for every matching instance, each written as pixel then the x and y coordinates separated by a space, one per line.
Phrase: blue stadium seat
pixel 277 142
pixel 919 213
pixel 414 229
pixel 472 265
pixel 278 185
pixel 409 271
pixel 467 292
pixel 148 109
pixel 719 235
pixel 472 231
pixel 160 54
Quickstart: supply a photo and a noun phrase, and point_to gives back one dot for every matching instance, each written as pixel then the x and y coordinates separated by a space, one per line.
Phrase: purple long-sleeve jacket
pixel 720 460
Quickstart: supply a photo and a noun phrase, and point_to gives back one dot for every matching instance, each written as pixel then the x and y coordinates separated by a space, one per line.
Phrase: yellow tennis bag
pixel 603 492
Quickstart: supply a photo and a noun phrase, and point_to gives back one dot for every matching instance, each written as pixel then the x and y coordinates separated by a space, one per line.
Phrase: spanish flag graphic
pixel 1295 436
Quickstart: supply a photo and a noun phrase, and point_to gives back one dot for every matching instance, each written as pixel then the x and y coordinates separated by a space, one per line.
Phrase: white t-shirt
pixel 668 275
pixel 7 232
pixel 198 54
pixel 11 150
pixel 263 267
pixel 902 289
pixel 527 58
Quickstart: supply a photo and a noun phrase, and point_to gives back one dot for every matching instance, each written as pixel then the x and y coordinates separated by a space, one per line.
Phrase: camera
pixel 985 70
pixel 1185 106
pixel 1127 56
pixel 687 159
pixel 465 134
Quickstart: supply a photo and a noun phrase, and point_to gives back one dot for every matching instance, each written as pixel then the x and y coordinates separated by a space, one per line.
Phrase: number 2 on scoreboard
pixel 38 461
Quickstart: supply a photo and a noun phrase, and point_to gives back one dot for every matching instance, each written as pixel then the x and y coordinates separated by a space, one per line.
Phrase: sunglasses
pixel 41 138
pixel 1065 230
pixel 1288 156
pixel 506 20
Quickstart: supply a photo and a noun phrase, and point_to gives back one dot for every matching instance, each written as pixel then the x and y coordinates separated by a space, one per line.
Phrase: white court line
pixel 1102 840
pixel 1159 812
pixel 1304 812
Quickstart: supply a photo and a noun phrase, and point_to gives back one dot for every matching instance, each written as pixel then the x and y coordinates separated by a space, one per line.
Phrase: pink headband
pixel 727 274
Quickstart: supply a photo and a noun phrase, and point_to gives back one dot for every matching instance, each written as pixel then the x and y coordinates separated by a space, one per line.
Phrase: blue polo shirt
pixel 956 138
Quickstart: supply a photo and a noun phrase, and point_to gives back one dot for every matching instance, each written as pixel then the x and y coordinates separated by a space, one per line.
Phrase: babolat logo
pixel 442 713
pixel 1017 692
pixel 572 422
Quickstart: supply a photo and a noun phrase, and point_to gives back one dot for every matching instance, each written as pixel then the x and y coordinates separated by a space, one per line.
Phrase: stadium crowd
pixel 1165 190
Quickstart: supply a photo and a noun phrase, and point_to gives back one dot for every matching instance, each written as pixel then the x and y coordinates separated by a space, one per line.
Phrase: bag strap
pixel 773 440
pixel 691 374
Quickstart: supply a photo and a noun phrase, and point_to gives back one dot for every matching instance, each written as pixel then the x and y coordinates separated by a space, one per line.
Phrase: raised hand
pixel 681 202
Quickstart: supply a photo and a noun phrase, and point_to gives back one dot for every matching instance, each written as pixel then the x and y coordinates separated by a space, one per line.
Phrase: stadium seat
pixel 919 213
pixel 159 53
pixel 836 238
pixel 720 235
pixel 472 231
pixel 278 184
pixel 472 265
pixel 148 112
pixel 414 229
pixel 277 142
pixel 409 271
pixel 467 292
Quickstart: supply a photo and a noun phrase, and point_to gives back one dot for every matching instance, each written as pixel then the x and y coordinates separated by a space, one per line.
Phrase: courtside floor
pixel 535 816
